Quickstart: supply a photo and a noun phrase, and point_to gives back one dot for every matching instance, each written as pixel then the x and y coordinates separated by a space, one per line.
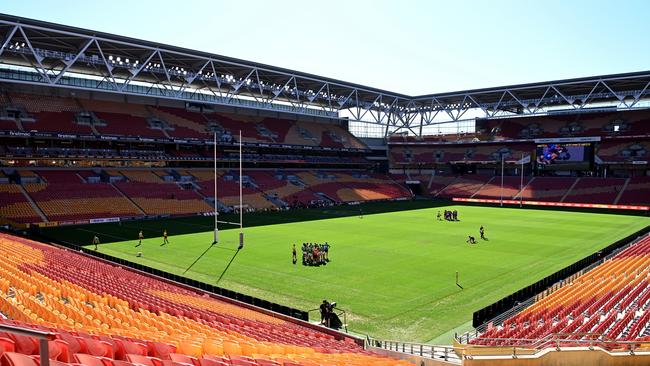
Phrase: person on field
pixel 471 240
pixel 165 239
pixel 326 252
pixel 95 241
pixel 482 231
pixel 140 237
pixel 294 257
pixel 324 313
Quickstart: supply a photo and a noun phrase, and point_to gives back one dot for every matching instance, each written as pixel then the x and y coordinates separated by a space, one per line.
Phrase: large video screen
pixel 564 156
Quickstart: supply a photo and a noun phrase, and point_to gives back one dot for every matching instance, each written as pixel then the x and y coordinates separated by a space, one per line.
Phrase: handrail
pixel 557 340
pixel 446 353
pixel 43 339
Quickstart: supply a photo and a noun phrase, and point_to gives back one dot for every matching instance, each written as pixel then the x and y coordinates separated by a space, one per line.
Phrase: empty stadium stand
pixel 606 124
pixel 92 117
pixel 107 315
pixel 608 303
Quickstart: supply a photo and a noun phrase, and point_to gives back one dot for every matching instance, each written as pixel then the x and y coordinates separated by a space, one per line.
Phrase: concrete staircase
pixel 33 204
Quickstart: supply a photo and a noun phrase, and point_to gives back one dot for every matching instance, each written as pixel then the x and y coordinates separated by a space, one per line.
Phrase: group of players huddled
pixel 313 254
pixel 449 215
pixel 452 215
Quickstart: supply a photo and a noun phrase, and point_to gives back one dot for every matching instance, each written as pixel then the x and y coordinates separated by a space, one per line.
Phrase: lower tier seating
pixel 107 315
pixel 610 302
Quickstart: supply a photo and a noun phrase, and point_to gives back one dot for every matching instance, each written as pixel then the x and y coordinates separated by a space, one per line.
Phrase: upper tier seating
pixel 441 154
pixel 611 301
pixel 51 114
pixel 628 151
pixel 106 315
pixel 58 115
pixel 628 123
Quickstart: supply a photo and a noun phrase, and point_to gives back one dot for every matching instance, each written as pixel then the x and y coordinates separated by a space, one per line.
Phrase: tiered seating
pixel 601 190
pixel 126 125
pixel 228 190
pixel 157 197
pixel 64 196
pixel 464 186
pixel 186 124
pixel 636 192
pixel 105 315
pixel 8 125
pixel 611 302
pixel 431 154
pixel 438 183
pixel 14 205
pixel 511 188
pixel 550 189
pixel 51 114
pixel 234 124
pixel 629 123
pixel 345 187
pixel 621 152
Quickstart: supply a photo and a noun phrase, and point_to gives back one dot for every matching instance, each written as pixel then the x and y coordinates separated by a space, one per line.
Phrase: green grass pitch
pixel 393 272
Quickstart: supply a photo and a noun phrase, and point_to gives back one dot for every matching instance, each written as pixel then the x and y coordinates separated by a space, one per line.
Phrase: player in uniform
pixel 360 213
pixel 165 240
pixel 95 241
pixel 482 231
pixel 294 257
pixel 140 237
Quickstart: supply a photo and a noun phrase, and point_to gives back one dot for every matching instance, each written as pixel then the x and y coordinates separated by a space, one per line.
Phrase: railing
pixel 499 319
pixel 43 339
pixel 483 316
pixel 445 353
pixel 531 346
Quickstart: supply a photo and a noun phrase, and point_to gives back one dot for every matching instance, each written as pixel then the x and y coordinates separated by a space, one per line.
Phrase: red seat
pixel 144 360
pixel 6 345
pixel 177 357
pixel 161 350
pixel 99 348
pixel 125 347
pixel 90 360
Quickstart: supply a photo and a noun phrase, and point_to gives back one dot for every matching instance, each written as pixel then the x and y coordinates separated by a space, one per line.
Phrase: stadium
pixel 167 206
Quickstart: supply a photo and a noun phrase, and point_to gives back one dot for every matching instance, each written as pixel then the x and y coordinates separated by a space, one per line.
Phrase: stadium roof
pixel 43 53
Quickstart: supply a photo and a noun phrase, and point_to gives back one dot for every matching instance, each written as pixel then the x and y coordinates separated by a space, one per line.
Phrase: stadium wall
pixel 564 357
pixel 490 312
pixel 422 361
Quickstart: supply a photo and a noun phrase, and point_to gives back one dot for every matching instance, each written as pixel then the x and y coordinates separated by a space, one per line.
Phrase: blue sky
pixel 406 46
